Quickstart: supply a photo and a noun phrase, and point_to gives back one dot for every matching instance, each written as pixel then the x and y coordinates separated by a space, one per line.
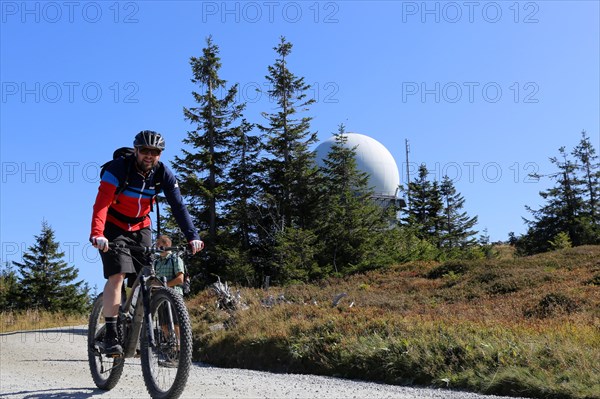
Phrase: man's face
pixel 162 243
pixel 147 158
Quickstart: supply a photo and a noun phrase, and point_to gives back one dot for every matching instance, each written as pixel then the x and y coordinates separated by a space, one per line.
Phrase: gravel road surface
pixel 53 363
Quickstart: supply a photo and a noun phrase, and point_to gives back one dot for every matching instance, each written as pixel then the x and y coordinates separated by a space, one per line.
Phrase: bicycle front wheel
pixel 166 366
pixel 106 371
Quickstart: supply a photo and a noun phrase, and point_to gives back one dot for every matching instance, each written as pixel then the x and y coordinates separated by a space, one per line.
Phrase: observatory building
pixel 373 158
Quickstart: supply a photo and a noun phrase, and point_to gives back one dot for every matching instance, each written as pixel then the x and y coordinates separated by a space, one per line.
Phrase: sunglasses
pixel 149 151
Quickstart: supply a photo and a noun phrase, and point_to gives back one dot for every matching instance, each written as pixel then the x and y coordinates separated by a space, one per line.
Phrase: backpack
pixel 128 153
pixel 124 152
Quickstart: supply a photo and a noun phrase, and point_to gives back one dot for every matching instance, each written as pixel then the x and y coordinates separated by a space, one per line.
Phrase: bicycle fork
pixel 147 314
pixel 169 310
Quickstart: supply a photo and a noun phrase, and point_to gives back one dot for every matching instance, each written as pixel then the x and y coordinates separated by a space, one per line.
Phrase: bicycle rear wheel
pixel 166 366
pixel 106 371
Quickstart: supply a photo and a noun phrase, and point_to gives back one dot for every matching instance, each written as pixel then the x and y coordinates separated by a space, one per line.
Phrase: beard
pixel 145 167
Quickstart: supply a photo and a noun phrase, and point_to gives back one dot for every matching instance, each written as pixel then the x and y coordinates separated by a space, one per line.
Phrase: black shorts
pixel 122 260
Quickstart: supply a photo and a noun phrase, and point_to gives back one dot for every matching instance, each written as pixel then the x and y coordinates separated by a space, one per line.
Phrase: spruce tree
pixel 295 256
pixel 424 215
pixel 287 193
pixel 47 281
pixel 589 169
pixel 456 225
pixel 202 170
pixel 9 287
pixel 288 167
pixel 243 183
pixel 352 227
pixel 564 211
pixel 240 224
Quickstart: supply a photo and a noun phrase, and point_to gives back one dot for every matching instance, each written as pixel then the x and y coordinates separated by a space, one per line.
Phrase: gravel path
pixel 53 363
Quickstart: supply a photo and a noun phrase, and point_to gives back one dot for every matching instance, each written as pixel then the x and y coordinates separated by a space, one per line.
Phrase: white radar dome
pixel 371 157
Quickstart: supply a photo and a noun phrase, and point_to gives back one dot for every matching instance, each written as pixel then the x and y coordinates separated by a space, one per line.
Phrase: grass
pixel 508 326
pixel 36 320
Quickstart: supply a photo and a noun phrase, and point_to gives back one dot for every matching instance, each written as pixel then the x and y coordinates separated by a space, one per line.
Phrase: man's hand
pixel 100 242
pixel 196 246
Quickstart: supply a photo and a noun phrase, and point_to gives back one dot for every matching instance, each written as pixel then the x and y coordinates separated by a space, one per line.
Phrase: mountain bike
pixel 154 324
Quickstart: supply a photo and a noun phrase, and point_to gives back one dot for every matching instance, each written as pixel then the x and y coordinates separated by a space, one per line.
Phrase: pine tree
pixel 589 167
pixel 352 226
pixel 289 167
pixel 203 169
pixel 457 225
pixel 240 224
pixel 564 211
pixel 486 247
pixel 243 183
pixel 295 256
pixel 287 193
pixel 9 287
pixel 47 282
pixel 424 215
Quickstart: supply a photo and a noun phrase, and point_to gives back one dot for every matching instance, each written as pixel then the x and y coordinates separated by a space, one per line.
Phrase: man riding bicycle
pixel 120 215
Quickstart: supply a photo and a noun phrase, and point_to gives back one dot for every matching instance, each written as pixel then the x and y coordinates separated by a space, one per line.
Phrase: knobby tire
pixel 166 368
pixel 106 371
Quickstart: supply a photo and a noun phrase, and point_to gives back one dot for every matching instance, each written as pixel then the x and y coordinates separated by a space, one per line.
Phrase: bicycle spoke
pixel 166 365
pixel 165 360
pixel 105 371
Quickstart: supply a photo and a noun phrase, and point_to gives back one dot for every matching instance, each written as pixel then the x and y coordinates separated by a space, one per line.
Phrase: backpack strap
pixel 172 259
pixel 175 257
pixel 158 177
pixel 123 185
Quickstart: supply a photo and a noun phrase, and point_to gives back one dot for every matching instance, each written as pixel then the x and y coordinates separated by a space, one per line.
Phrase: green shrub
pixel 446 268
pixel 560 241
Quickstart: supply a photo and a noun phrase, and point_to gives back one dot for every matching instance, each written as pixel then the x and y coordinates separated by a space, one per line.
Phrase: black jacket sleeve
pixel 175 200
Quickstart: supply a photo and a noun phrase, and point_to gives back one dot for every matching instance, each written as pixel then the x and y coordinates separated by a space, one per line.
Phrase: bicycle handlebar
pixel 148 250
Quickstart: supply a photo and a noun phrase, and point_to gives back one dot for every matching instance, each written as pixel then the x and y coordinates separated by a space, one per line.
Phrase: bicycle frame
pixel 144 282
pixel 141 311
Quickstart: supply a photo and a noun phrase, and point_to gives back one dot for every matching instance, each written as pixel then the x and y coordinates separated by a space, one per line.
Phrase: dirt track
pixel 53 364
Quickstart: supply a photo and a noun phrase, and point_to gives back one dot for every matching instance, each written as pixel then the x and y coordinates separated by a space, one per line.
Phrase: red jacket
pixel 130 209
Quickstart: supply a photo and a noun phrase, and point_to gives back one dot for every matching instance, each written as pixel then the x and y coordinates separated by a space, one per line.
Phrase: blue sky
pixel 485 92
